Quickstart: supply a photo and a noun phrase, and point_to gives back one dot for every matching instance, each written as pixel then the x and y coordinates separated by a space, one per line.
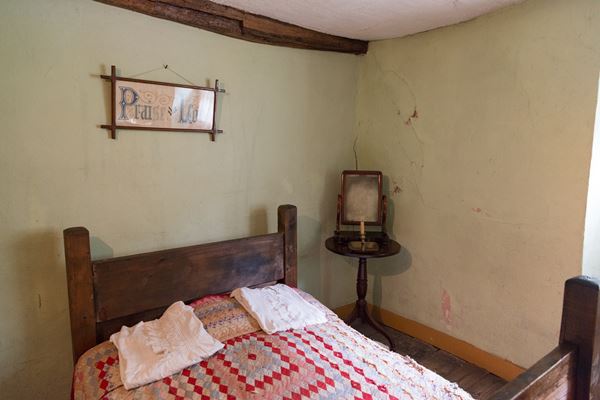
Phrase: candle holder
pixel 363 247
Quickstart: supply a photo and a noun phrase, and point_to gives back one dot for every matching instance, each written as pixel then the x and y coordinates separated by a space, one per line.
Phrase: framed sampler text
pixel 160 106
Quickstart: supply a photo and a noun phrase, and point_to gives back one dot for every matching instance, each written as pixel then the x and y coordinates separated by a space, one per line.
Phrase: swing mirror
pixel 361 198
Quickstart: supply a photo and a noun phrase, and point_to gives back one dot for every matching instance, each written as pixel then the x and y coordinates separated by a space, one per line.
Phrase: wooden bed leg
pixel 81 290
pixel 581 326
pixel 286 222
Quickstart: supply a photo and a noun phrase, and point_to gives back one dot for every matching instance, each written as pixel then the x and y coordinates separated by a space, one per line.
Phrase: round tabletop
pixel 392 247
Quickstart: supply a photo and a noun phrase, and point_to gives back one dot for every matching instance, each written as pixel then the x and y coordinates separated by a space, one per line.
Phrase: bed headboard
pixel 106 294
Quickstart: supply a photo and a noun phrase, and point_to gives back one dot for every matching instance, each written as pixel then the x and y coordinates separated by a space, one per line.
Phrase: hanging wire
pixel 179 75
pixel 146 72
pixel 164 66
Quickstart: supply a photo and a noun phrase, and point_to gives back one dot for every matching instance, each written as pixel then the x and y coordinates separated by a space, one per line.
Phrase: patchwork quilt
pixel 325 361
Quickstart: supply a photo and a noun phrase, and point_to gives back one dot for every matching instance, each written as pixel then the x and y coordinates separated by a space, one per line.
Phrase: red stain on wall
pixel 446 307
pixel 476 209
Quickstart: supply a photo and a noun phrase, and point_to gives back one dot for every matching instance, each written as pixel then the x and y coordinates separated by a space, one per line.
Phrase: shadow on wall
pixel 384 267
pixel 327 213
pixel 258 222
pixel 99 249
pixel 40 299
pixel 390 266
pixel 391 211
pixel 309 255
pixel 331 275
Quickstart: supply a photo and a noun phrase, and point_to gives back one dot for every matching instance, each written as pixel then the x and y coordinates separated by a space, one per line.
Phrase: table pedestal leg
pixel 360 308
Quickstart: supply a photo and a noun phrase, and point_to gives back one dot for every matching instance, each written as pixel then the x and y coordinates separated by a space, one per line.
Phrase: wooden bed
pixel 109 293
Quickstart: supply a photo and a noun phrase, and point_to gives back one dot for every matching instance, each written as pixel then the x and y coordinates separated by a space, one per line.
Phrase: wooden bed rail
pixel 551 377
pixel 571 370
pixel 106 294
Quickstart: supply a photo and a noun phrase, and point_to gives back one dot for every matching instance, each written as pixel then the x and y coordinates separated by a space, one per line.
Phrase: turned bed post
pixel 81 290
pixel 286 223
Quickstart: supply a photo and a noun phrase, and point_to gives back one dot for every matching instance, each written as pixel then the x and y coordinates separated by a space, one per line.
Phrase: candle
pixel 362 228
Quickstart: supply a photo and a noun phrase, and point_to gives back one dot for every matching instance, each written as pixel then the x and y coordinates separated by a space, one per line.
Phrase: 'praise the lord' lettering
pixel 130 109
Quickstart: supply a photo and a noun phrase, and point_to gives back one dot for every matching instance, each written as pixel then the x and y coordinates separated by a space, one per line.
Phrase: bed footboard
pixel 571 370
pixel 552 377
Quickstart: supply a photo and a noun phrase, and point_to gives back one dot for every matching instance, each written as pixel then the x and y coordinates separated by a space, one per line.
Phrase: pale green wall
pixel 492 176
pixel 487 185
pixel 288 118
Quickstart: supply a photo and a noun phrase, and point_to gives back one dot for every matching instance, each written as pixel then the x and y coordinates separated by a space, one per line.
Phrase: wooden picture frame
pixel 161 106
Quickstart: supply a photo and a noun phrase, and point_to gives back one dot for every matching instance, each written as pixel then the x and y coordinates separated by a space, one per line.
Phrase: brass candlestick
pixel 363 246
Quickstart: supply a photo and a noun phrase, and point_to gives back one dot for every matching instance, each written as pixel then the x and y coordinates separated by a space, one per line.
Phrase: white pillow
pixel 278 308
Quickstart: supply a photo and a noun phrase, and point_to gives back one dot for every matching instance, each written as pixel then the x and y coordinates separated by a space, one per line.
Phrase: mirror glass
pixel 361 197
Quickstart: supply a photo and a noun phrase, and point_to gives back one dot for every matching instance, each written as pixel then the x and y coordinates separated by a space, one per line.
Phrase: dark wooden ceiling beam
pixel 230 21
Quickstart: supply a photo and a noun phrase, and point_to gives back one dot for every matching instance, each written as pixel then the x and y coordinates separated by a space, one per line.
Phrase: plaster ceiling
pixel 370 19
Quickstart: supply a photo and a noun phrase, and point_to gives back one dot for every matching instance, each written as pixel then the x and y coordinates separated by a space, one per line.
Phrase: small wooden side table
pixel 360 309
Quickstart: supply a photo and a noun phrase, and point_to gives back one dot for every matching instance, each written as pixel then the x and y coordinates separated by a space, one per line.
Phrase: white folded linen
pixel 278 308
pixel 153 350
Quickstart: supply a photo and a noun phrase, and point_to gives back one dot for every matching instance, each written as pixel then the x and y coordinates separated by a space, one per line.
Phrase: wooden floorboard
pixel 477 381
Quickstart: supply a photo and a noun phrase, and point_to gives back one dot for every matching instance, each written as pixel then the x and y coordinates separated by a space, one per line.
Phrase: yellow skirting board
pixel 490 362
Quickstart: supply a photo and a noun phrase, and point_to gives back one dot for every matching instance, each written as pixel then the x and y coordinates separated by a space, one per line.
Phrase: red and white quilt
pixel 326 361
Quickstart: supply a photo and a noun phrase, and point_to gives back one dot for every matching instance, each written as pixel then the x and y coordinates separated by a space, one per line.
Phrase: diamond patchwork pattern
pixel 103 369
pixel 329 361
